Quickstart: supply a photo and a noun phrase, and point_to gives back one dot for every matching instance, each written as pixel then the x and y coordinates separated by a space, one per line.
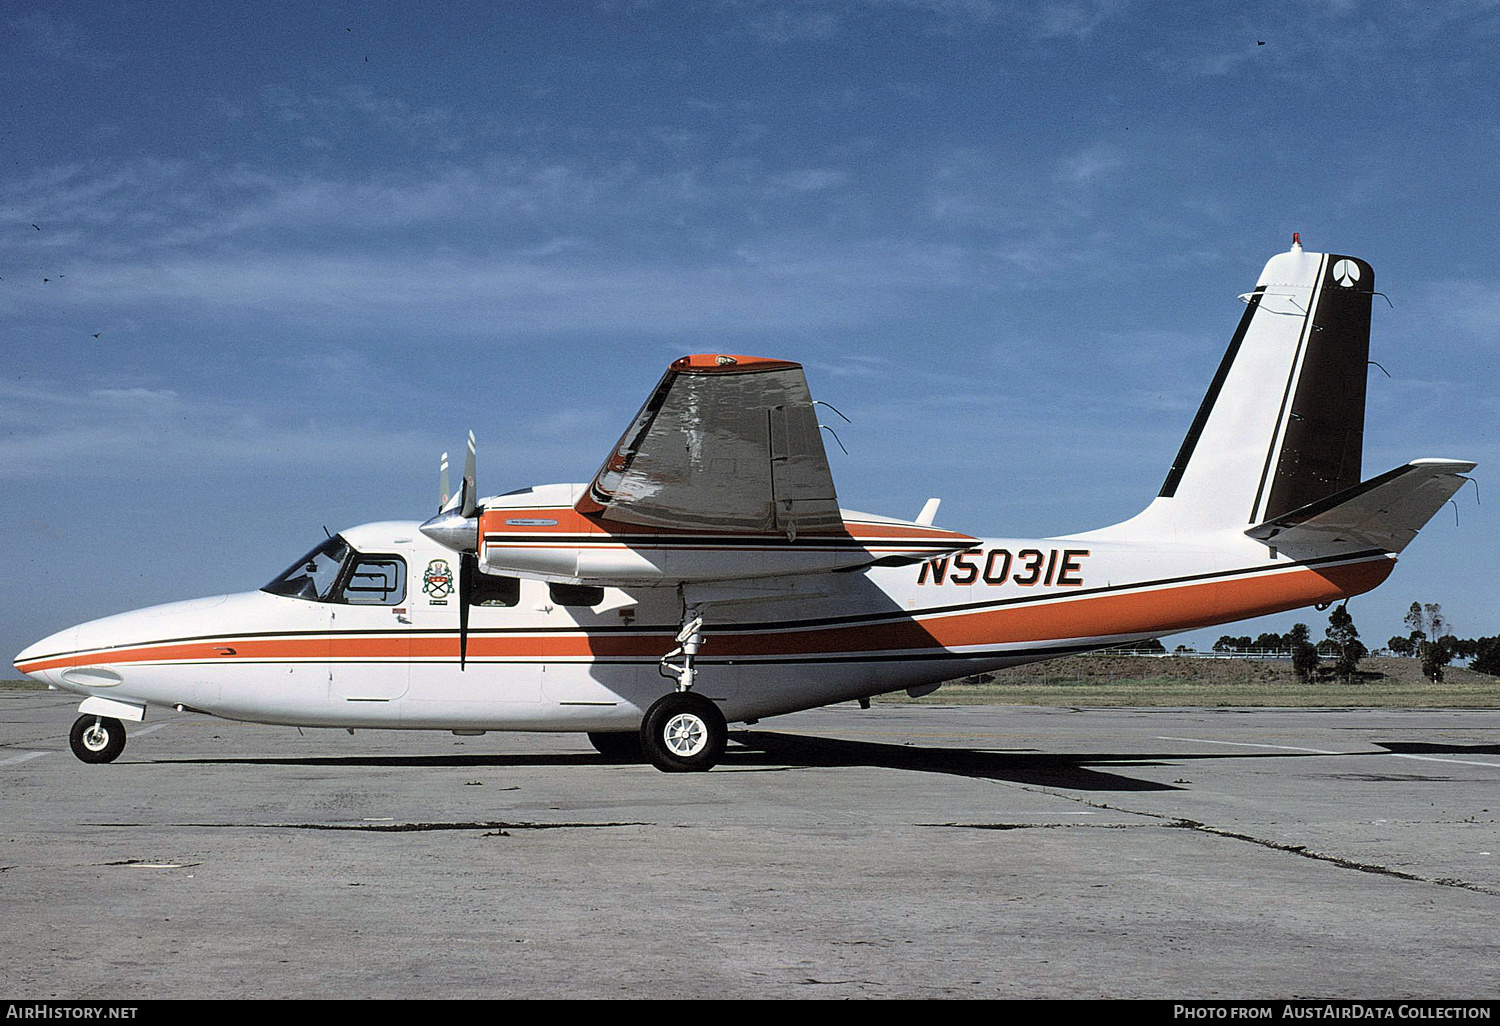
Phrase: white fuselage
pixel 541 662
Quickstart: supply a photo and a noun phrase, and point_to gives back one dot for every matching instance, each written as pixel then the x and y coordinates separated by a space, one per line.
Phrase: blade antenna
pixel 830 430
pixel 835 409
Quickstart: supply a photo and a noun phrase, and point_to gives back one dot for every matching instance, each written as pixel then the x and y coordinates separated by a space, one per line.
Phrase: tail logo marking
pixel 1346 273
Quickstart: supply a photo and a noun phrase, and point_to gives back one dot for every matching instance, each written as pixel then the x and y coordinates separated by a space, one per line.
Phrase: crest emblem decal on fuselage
pixel 437 582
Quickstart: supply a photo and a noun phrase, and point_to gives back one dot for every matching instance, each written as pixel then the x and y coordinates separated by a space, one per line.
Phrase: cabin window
pixel 492 590
pixel 576 594
pixel 375 581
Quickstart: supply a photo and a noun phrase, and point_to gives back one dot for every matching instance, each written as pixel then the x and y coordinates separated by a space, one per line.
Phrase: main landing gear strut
pixel 684 731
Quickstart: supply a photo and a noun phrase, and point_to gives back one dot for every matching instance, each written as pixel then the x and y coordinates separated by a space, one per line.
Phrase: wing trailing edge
pixel 1385 512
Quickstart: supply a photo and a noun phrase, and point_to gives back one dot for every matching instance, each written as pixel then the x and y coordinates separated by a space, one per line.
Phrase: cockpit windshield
pixel 314 575
pixel 335 572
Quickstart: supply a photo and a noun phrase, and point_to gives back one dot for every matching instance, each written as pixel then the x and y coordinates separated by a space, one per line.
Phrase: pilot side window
pixel 314 575
pixel 375 581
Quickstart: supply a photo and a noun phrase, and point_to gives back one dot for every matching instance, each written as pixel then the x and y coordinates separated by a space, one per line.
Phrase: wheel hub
pixel 685 734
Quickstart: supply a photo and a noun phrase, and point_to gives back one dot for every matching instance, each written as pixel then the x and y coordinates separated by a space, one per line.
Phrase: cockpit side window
pixel 315 574
pixel 375 581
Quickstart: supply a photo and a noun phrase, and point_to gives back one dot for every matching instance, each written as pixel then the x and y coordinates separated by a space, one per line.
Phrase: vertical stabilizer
pixel 1282 424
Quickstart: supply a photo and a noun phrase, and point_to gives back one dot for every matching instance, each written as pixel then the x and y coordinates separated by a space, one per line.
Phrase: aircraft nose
pixel 34 660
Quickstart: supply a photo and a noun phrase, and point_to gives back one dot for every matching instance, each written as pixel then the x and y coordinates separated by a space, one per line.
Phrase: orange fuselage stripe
pixel 1160 610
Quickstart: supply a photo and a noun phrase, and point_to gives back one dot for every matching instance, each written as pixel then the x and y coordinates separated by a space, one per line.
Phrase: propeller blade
pixel 470 499
pixel 463 501
pixel 443 490
pixel 468 566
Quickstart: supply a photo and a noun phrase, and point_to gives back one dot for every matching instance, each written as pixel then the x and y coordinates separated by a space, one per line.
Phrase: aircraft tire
pixel 618 745
pixel 683 732
pixel 97 739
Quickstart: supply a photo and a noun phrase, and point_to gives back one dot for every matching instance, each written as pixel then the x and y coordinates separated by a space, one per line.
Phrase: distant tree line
pixel 1297 643
pixel 1431 641
pixel 1270 644
pixel 1151 646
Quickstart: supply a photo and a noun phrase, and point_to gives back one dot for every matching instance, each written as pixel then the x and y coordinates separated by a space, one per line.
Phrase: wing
pixel 724 443
pixel 720 478
pixel 1385 512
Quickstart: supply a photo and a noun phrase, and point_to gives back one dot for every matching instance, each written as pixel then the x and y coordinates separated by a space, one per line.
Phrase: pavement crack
pixel 1043 826
pixel 402 828
pixel 1179 823
pixel 1335 860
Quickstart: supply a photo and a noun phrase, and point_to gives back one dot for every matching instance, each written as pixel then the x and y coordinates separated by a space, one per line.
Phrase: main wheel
pixel 618 746
pixel 683 731
pixel 97 738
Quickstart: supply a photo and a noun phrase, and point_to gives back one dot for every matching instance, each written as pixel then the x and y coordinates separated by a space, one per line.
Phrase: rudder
pixel 1282 424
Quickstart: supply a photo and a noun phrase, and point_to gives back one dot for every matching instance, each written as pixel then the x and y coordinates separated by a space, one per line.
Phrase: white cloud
pixel 156 434
pixel 1473 306
pixel 54 44
pixel 1090 168
pixel 354 111
pixel 808 180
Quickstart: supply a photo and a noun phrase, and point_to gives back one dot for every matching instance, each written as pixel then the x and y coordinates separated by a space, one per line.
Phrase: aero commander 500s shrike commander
pixel 707 575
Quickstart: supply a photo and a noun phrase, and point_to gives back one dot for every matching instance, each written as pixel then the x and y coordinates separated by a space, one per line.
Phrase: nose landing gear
pixel 96 739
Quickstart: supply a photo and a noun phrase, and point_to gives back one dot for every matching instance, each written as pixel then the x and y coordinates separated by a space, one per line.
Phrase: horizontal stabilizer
pixel 1385 512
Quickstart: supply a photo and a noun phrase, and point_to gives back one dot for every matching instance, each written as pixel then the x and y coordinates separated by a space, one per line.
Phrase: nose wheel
pixel 682 732
pixel 97 738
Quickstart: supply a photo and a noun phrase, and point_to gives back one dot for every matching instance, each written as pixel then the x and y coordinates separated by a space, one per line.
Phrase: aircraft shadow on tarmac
pixel 776 751
pixel 1429 748
pixel 1073 771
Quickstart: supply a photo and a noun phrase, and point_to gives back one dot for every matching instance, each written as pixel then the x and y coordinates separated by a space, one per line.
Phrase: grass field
pixel 1111 680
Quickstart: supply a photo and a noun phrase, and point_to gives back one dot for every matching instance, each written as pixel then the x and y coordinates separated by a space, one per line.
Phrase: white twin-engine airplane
pixel 707 574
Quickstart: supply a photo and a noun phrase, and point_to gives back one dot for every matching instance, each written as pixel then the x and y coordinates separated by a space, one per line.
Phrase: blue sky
pixel 261 264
